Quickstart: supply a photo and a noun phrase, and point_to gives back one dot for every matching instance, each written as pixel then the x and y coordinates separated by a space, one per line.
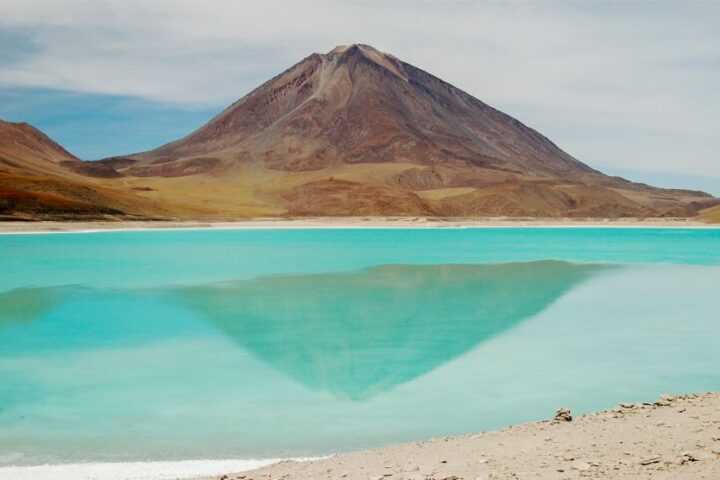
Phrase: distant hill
pixel 25 149
pixel 41 180
pixel 357 132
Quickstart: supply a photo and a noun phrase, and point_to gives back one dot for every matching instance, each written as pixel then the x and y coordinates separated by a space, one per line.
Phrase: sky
pixel 630 88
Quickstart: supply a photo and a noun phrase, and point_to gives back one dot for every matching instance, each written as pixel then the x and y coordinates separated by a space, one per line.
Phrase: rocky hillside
pixel 41 180
pixel 353 132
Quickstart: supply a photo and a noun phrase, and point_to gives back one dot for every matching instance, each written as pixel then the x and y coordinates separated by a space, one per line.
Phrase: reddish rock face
pixel 24 147
pixel 358 105
pixel 39 179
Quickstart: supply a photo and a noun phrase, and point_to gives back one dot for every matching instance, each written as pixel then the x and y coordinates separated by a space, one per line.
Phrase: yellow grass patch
pixel 710 215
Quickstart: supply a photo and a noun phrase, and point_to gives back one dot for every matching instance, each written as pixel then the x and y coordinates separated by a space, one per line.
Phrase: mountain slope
pixel 25 149
pixel 40 179
pixel 359 132
pixel 358 105
pixel 710 215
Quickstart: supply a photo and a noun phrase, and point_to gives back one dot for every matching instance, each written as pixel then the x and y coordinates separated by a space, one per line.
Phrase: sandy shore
pixel 672 438
pixel 344 222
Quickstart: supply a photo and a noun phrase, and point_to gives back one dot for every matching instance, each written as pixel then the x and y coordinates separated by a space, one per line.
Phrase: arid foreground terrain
pixel 672 438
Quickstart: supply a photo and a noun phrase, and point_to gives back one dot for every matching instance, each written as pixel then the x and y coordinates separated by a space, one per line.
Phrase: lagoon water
pixel 251 344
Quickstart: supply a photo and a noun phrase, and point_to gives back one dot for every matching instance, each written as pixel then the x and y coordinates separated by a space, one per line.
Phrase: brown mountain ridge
pixel 41 180
pixel 357 132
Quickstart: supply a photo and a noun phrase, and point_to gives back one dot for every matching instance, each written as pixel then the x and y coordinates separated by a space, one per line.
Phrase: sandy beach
pixel 670 438
pixel 343 222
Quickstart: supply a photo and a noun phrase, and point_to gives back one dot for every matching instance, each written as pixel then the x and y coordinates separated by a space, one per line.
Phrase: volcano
pixel 358 132
pixel 357 105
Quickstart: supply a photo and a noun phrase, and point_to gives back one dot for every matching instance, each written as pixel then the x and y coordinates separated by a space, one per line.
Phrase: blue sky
pixel 95 126
pixel 629 88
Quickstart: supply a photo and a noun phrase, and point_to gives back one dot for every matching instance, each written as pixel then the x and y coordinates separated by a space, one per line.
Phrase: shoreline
pixel 674 437
pixel 134 470
pixel 30 227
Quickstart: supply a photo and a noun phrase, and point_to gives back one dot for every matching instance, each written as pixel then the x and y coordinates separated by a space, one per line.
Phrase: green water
pixel 252 344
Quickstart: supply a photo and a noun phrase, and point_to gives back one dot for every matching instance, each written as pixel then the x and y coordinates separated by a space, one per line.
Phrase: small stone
pixel 562 415
pixel 580 466
pixel 697 456
pixel 651 460
pixel 689 456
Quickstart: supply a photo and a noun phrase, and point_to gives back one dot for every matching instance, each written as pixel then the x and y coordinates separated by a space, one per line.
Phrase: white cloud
pixel 626 85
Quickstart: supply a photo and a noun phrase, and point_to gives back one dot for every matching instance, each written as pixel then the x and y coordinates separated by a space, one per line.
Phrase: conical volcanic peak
pixel 359 52
pixel 356 104
pixel 358 132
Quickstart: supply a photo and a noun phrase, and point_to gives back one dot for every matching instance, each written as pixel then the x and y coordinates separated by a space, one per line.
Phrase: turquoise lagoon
pixel 217 344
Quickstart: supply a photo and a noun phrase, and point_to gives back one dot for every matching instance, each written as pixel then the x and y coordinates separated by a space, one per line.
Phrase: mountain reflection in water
pixel 358 334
